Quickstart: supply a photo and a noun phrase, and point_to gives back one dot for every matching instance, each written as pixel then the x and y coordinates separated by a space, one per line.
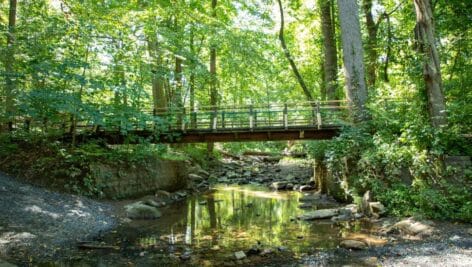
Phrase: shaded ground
pixel 35 222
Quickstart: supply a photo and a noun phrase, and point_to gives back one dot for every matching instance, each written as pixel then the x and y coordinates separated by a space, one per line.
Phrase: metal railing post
pixel 223 119
pixel 285 116
pixel 251 118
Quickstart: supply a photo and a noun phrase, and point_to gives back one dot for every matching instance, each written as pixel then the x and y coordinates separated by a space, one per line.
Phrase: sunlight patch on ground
pixel 12 237
pixel 39 210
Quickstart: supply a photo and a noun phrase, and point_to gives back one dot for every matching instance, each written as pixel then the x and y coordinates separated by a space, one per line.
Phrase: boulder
pixel 377 207
pixel 353 244
pixel 412 227
pixel 319 214
pixel 469 231
pixel 278 185
pixel 139 210
pixel 239 255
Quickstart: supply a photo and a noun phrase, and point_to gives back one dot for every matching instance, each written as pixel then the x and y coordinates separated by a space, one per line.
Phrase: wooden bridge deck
pixel 296 121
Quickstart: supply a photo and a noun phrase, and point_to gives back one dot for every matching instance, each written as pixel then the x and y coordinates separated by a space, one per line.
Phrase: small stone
pixel 140 210
pixel 353 244
pixel 306 188
pixel 195 177
pixel 454 238
pixel 186 256
pixel 141 254
pixel 469 231
pixel 239 255
pixel 162 193
pixel 319 214
pixel 223 179
pixel 215 248
pixel 181 194
pixel 282 249
pixel 372 261
pixel 266 251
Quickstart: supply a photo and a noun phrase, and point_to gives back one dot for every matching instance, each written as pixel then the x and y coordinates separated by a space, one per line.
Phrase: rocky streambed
pixel 252 211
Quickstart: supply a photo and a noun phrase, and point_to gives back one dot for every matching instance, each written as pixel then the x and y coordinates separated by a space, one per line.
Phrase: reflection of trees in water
pixel 238 219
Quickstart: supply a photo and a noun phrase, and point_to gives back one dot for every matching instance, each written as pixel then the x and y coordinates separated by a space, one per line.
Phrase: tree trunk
pixel 9 65
pixel 299 77
pixel 193 121
pixel 159 99
pixel 431 65
pixel 356 91
pixel 330 62
pixel 213 78
pixel 371 43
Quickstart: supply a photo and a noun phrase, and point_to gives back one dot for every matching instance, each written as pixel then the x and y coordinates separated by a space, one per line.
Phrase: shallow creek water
pixel 208 229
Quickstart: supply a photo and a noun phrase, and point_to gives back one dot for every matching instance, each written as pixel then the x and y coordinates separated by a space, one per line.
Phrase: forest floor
pixel 38 223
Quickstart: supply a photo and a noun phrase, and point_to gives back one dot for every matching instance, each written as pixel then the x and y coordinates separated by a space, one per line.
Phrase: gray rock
pixel 412 227
pixel 365 204
pixel 319 214
pixel 152 203
pixel 306 188
pixel 377 207
pixel 195 177
pixel 353 244
pixel 469 231
pixel 278 185
pixel 223 179
pixel 139 210
pixel 239 255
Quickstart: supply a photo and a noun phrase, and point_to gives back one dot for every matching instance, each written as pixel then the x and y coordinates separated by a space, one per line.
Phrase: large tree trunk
pixel 213 78
pixel 371 43
pixel 159 98
pixel 193 121
pixel 431 65
pixel 330 63
pixel 9 65
pixel 299 77
pixel 356 91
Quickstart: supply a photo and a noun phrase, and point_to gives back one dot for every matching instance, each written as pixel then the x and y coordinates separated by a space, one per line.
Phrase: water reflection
pixel 236 217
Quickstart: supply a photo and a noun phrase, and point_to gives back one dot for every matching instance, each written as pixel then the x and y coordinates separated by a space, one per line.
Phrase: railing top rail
pixel 274 105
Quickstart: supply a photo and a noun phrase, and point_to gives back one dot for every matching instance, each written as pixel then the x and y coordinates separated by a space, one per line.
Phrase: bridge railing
pixel 253 117
pixel 228 118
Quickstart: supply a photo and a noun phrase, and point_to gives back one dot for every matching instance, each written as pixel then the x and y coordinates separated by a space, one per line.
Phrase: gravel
pixel 40 223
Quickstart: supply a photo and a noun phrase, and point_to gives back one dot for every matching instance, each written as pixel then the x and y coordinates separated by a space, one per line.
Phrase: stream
pixel 215 228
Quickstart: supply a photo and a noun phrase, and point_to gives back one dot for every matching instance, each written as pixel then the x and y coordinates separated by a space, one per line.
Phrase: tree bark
pixel 431 64
pixel 213 77
pixel 372 54
pixel 159 98
pixel 356 91
pixel 299 77
pixel 330 62
pixel 9 65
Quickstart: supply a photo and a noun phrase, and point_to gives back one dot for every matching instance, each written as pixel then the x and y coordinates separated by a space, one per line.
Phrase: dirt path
pixel 35 222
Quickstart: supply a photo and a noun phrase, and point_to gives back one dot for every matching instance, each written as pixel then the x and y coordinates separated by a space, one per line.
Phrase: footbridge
pixel 278 121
